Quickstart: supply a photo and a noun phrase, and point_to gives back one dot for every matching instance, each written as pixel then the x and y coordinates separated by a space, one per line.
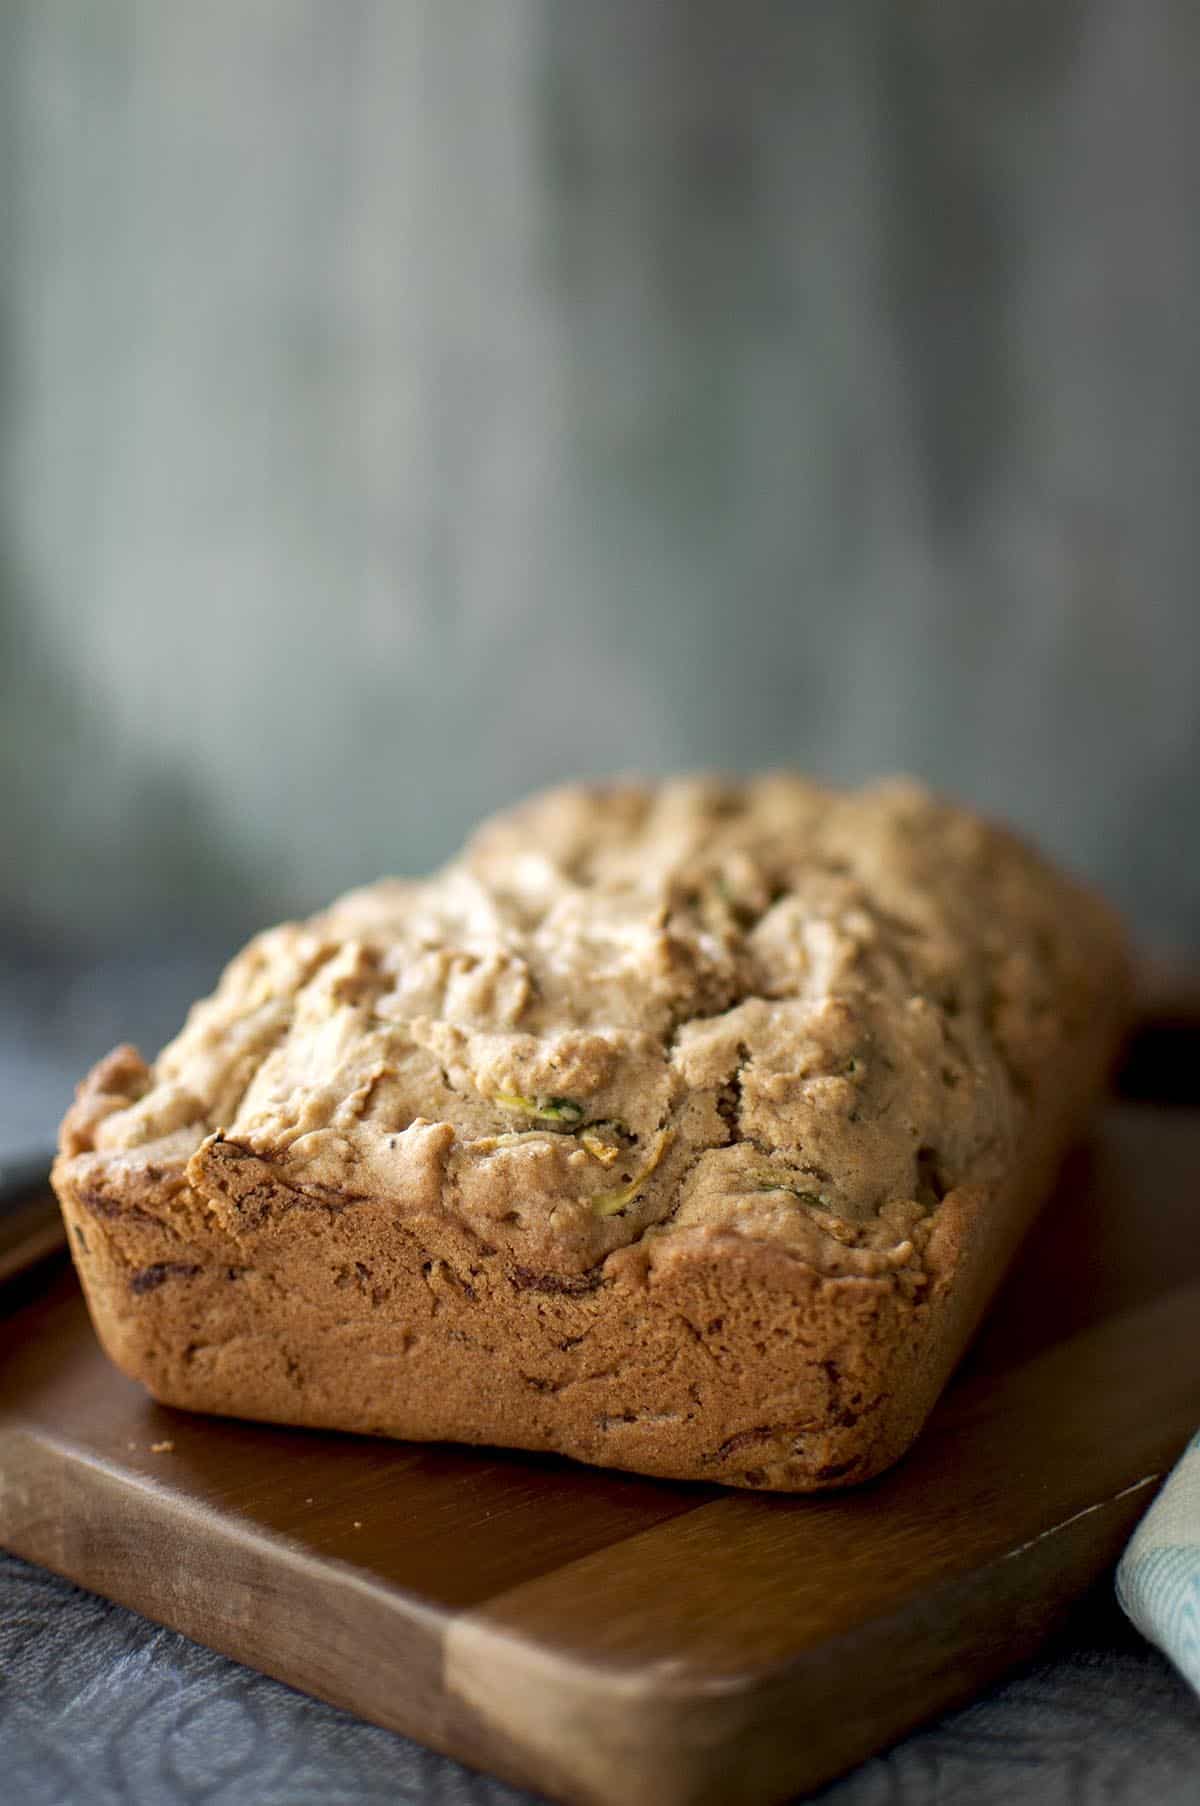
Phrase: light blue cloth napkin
pixel 1158 1581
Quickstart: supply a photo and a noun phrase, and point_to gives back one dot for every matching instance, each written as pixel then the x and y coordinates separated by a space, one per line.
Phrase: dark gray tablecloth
pixel 99 1707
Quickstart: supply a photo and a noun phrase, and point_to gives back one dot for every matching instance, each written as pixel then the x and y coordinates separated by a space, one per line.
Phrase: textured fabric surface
pixel 100 1708
pixel 1158 1581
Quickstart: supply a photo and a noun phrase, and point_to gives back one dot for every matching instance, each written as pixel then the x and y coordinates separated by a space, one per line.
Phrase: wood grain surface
pixel 31 1225
pixel 602 1638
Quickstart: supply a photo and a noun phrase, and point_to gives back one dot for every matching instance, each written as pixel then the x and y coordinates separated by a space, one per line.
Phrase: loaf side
pixel 681 1127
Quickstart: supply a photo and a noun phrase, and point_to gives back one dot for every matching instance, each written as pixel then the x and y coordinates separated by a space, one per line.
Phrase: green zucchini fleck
pixel 768 1181
pixel 609 1203
pixel 566 1110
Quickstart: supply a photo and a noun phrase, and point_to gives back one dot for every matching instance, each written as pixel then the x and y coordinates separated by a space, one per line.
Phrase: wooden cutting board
pixel 602 1638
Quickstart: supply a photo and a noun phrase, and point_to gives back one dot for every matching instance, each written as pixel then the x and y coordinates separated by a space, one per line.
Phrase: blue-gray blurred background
pixel 405 404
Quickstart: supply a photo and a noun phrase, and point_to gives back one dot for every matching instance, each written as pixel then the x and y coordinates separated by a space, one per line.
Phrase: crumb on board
pixel 358 1523
pixel 167 1447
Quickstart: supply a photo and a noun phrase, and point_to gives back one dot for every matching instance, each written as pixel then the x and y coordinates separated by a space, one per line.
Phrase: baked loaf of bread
pixel 683 1128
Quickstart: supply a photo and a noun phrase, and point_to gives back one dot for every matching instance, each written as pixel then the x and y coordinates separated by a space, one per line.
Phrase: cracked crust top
pixel 638 1014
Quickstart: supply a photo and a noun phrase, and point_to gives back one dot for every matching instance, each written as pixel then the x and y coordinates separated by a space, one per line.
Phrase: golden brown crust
pixel 684 1129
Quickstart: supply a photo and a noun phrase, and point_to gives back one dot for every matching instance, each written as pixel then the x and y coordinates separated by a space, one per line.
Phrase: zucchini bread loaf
pixel 683 1128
